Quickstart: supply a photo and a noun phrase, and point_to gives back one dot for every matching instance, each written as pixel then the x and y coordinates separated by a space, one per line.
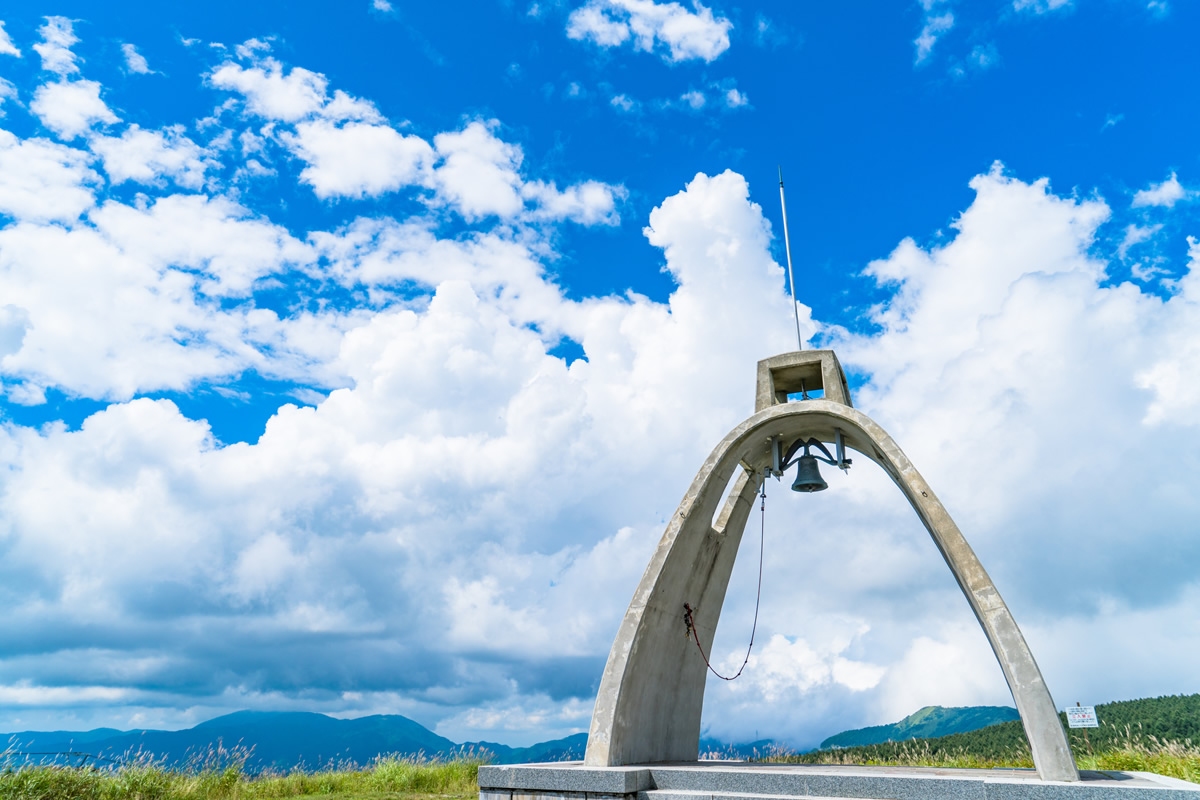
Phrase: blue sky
pixel 353 355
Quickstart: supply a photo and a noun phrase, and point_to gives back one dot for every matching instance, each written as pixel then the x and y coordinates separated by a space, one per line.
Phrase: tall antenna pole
pixel 787 246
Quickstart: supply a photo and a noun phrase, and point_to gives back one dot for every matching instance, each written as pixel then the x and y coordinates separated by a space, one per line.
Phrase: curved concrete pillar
pixel 650 699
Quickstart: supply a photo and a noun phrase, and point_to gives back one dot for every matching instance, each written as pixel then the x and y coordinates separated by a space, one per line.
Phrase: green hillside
pixel 929 722
pixel 1131 735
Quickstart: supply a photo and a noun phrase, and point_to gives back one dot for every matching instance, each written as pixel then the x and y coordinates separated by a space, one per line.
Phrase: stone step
pixel 741 781
pixel 679 794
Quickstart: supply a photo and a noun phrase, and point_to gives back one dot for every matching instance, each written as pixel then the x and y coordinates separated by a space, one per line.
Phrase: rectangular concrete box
pixel 723 780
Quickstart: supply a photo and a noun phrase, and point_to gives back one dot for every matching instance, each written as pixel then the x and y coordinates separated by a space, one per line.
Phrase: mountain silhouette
pixel 927 723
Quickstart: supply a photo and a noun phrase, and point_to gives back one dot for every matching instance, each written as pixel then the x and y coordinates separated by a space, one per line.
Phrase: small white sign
pixel 1082 717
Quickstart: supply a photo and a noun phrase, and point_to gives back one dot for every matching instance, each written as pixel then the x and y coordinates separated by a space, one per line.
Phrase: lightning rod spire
pixel 787 246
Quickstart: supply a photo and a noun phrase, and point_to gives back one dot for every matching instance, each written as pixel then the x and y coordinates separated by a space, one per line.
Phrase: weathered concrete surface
pixel 802 370
pixel 729 780
pixel 649 704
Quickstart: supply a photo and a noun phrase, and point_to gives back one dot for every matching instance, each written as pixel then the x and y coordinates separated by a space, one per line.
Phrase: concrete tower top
pixel 802 370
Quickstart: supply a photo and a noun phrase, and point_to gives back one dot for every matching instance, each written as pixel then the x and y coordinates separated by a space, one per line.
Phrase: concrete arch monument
pixel 651 694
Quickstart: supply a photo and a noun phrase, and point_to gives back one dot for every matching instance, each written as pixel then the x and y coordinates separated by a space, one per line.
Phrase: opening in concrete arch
pixel 860 621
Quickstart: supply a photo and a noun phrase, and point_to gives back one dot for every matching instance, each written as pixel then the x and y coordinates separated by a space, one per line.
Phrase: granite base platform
pixel 734 780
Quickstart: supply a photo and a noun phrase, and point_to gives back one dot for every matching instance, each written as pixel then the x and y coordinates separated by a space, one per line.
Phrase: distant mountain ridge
pixel 283 741
pixel 1147 721
pixel 278 740
pixel 286 740
pixel 927 723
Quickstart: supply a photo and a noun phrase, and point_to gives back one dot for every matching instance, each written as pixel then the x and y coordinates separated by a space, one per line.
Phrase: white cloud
pixel 932 29
pixel 7 92
pixel 983 56
pixel 588 203
pixel 134 61
pixel 344 107
pixel 357 159
pixel 1040 6
pixel 460 372
pixel 229 246
pixel 478 173
pixel 687 34
pixel 1166 194
pixel 149 156
pixel 166 267
pixel 1136 234
pixel 1012 331
pixel 592 22
pixel 1172 378
pixel 55 48
pixel 455 473
pixel 43 181
pixel 350 150
pixel 987 340
pixel 736 99
pixel 722 95
pixel 7 48
pixel 954 664
pixel 623 102
pixel 269 92
pixel 249 49
pixel 693 99
pixel 71 108
pixel 381 5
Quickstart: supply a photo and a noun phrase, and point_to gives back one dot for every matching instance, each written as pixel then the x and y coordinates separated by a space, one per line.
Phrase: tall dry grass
pixel 1129 750
pixel 222 776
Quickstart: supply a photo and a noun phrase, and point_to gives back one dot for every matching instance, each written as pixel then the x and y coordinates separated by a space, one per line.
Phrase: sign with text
pixel 1082 717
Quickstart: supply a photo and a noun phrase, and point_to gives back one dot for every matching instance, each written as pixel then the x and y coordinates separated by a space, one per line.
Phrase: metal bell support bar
pixel 808 474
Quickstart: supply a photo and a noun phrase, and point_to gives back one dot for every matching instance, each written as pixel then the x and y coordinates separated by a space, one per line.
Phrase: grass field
pixel 388 777
pixel 1137 753
pixel 1147 735
pixel 416 779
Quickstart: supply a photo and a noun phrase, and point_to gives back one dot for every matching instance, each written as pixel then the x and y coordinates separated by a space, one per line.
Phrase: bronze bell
pixel 808 475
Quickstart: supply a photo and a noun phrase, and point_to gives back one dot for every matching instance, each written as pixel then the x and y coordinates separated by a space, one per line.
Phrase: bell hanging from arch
pixel 808 475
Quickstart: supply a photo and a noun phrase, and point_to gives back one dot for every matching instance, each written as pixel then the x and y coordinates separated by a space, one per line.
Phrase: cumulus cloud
pixel 271 93
pixel 43 181
pixel 463 371
pixel 166 267
pixel 735 98
pixel 471 170
pixel 71 108
pixel 686 34
pixel 7 48
pixel 7 92
pixel 453 492
pixel 358 159
pixel 350 150
pixel 588 203
pixel 478 172
pixel 148 156
pixel 990 346
pixel 1166 194
pixel 58 34
pixel 694 100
